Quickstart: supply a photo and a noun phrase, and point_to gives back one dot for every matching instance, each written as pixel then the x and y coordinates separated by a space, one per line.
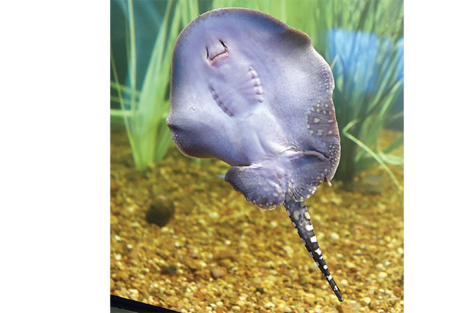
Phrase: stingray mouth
pixel 216 52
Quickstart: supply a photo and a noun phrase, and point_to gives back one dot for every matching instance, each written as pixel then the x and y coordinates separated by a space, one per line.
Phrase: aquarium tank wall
pixel 183 239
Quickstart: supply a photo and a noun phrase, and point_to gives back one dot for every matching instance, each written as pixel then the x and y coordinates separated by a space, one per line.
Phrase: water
pixel 218 252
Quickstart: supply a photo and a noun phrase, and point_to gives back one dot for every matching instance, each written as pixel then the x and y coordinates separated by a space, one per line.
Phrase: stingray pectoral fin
pixel 261 186
pixel 300 218
pixel 307 171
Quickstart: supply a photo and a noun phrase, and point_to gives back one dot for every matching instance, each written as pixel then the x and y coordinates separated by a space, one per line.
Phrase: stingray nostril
pixel 223 44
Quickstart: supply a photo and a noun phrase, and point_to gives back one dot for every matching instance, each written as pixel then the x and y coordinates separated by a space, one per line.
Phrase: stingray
pixel 251 91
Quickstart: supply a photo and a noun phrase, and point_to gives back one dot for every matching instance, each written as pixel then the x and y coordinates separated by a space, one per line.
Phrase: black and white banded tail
pixel 300 218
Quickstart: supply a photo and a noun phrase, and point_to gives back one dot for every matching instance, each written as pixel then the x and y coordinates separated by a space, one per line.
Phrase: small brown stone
pixel 225 254
pixel 217 273
pixel 397 290
pixel 179 305
pixel 344 308
pixel 199 295
pixel 309 299
pixel 123 276
pixel 134 254
pixel 374 306
pixel 193 267
pixel 172 299
pixel 160 211
pixel 153 268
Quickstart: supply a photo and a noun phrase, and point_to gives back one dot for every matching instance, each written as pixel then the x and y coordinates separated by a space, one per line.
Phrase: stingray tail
pixel 299 216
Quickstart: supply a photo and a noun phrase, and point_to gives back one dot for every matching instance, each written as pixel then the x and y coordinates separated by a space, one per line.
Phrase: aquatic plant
pixel 366 72
pixel 364 45
pixel 144 111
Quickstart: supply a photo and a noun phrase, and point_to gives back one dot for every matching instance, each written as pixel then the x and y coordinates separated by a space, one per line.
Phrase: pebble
pixel 134 294
pixel 172 299
pixel 169 270
pixel 309 299
pixel 114 220
pixel 214 215
pixel 334 236
pixel 160 211
pixel 289 251
pixel 397 290
pixel 382 275
pixel 354 306
pixel 217 272
pixel 336 199
pixel 345 308
pixel 225 254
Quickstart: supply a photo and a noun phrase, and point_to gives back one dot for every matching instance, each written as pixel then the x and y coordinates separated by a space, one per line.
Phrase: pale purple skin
pixel 249 90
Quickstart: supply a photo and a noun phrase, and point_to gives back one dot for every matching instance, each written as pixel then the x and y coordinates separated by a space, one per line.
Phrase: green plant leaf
pixel 375 156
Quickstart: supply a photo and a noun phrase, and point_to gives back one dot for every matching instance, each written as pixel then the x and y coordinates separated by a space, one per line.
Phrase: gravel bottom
pixel 219 253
